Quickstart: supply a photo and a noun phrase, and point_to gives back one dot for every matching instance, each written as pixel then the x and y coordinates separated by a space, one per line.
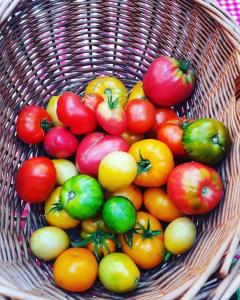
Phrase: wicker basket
pixel 52 45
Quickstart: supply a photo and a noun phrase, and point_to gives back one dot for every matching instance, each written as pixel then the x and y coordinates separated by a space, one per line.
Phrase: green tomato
pixel 180 235
pixel 52 110
pixel 65 169
pixel 118 273
pixel 82 197
pixel 206 141
pixel 48 243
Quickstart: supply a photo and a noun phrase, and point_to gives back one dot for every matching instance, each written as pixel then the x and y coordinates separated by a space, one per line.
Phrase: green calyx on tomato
pixel 146 233
pixel 184 65
pixel 82 197
pixel 112 104
pixel 206 140
pixel 46 125
pixel 143 165
pixel 98 238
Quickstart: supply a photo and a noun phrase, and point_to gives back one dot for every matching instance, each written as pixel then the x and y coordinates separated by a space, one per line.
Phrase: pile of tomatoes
pixel 125 171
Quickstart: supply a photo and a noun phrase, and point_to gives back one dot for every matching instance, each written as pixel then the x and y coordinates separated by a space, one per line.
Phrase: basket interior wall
pixel 50 46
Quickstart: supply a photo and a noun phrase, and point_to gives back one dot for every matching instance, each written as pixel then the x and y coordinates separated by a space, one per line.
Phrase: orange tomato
pixel 75 270
pixel 133 193
pixel 147 249
pixel 109 246
pixel 154 161
pixel 160 206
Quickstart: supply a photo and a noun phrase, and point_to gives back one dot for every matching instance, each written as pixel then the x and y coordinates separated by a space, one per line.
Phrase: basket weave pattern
pixel 50 46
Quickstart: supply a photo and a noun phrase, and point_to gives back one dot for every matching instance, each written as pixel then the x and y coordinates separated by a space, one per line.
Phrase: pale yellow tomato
pixel 107 86
pixel 180 235
pixel 52 110
pixel 117 171
pixel 65 169
pixel 49 242
pixel 137 91
pixel 55 215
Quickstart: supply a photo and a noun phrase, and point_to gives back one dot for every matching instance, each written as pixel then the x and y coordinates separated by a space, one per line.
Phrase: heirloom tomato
pixel 117 170
pixel 32 123
pixel 55 215
pixel 132 138
pixel 168 81
pixel 159 205
pixel 94 147
pixel 82 197
pixel 47 243
pixel 76 115
pixel 111 116
pixel 144 244
pixel 180 235
pixel 60 143
pixel 154 162
pixel 162 114
pixel 36 179
pixel 75 270
pixel 194 188
pixel 140 116
pixel 118 273
pixel 108 85
pixel 206 141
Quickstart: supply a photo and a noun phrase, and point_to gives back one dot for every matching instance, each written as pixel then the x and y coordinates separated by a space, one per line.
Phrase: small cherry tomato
pixel 159 205
pixel 75 270
pixel 32 123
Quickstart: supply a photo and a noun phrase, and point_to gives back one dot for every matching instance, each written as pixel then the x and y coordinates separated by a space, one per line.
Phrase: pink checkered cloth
pixel 233 7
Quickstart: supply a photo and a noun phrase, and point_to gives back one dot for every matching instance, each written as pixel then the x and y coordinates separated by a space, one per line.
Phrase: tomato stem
pixel 143 165
pixel 46 125
pixel 184 65
pixel 56 207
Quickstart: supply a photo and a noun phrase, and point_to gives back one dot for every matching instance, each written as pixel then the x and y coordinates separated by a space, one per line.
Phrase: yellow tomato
pixel 132 193
pixel 52 110
pixel 117 171
pixel 180 235
pixel 106 86
pixel 154 160
pixel 160 206
pixel 65 169
pixel 56 216
pixel 137 91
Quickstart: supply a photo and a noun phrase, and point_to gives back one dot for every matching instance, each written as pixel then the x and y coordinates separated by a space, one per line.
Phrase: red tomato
pixel 164 114
pixel 194 188
pixel 60 143
pixel 31 123
pixel 168 81
pixel 170 133
pixel 140 116
pixel 35 179
pixel 74 114
pixel 111 116
pixel 94 147
pixel 92 100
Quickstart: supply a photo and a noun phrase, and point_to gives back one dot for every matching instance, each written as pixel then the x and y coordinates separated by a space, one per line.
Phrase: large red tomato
pixel 170 133
pixel 74 114
pixel 94 147
pixel 194 188
pixel 60 143
pixel 140 115
pixel 31 124
pixel 35 179
pixel 168 81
